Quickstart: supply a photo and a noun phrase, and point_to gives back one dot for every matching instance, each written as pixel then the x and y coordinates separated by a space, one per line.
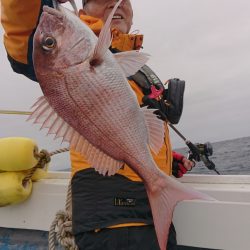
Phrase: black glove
pixel 170 103
pixel 155 104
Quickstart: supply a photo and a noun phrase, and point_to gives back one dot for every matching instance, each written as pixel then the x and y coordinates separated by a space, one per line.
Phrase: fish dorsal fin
pixel 131 61
pixel 105 38
pixel 156 129
pixel 44 114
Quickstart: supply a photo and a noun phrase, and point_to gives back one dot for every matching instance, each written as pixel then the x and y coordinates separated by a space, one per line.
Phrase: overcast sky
pixel 204 42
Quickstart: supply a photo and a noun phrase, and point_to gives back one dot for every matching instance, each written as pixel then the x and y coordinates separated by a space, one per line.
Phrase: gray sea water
pixel 231 157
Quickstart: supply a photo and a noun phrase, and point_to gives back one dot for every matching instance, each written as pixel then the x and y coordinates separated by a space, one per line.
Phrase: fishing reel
pixel 201 152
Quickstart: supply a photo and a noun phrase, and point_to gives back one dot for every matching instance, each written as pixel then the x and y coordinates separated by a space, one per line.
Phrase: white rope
pixel 61 227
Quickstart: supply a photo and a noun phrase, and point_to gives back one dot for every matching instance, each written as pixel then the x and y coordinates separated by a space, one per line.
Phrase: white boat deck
pixel 222 224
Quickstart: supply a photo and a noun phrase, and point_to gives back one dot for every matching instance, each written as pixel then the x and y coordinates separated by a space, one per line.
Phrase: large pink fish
pixel 89 103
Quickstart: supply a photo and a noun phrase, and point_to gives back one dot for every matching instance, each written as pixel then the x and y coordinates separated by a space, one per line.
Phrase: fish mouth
pixel 51 20
pixel 50 24
pixel 53 12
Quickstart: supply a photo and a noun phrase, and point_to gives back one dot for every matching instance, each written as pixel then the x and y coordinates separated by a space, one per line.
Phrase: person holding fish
pixel 122 195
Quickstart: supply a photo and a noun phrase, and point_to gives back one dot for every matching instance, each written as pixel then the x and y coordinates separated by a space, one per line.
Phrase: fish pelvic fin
pixel 105 38
pixel 156 129
pixel 45 115
pixel 131 61
pixel 163 197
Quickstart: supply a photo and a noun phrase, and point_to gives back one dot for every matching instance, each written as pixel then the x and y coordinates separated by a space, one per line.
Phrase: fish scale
pixel 96 92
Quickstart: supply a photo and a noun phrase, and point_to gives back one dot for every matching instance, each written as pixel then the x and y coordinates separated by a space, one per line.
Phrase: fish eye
pixel 48 43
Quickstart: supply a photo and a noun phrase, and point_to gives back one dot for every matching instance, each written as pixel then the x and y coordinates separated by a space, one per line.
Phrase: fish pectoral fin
pixel 44 114
pixel 105 38
pixel 156 129
pixel 131 61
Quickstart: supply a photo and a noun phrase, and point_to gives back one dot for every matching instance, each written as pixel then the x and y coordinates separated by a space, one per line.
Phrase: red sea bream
pixel 89 103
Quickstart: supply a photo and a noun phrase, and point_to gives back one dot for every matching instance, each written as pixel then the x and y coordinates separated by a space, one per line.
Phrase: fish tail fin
pixel 163 197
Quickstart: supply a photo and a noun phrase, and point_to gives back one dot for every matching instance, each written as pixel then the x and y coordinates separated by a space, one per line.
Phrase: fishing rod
pixel 197 152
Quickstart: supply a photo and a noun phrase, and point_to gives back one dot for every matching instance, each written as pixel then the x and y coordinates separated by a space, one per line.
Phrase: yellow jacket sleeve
pixel 19 19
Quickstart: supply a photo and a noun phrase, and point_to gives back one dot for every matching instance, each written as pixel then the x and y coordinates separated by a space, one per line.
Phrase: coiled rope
pixel 61 227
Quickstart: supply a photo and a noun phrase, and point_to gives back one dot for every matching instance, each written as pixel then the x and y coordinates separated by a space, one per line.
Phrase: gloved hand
pixel 154 104
pixel 181 165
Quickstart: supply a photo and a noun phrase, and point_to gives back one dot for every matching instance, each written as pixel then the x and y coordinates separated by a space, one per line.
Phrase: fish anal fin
pixel 103 163
pixel 156 129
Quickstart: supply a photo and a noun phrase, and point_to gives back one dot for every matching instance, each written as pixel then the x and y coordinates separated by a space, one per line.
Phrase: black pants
pixel 124 238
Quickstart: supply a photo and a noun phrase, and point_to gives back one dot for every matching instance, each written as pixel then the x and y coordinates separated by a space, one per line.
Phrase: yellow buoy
pixel 13 189
pixel 17 153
